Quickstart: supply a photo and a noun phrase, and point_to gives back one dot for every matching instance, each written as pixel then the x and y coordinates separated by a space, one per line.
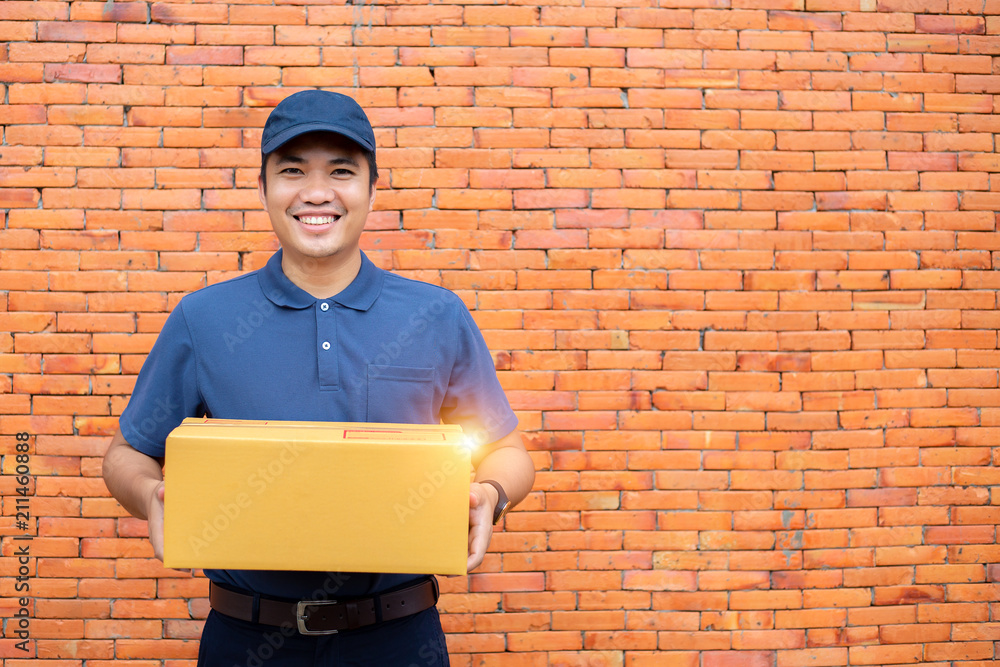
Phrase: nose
pixel 317 189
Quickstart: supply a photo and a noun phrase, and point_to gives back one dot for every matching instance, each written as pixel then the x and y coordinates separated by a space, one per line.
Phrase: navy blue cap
pixel 316 110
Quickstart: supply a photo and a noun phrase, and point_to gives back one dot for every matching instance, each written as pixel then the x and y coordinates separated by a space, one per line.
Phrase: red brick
pixel 155 33
pixel 76 31
pixel 655 18
pixel 204 55
pixel 163 12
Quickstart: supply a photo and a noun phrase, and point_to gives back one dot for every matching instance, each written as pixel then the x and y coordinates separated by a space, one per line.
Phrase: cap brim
pixel 290 133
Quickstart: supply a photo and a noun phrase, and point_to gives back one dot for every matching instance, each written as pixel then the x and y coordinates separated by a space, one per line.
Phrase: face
pixel 318 196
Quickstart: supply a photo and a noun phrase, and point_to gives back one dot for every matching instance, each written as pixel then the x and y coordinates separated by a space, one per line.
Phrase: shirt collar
pixel 359 295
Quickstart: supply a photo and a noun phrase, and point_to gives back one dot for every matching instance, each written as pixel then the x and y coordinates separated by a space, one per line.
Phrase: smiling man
pixel 325 347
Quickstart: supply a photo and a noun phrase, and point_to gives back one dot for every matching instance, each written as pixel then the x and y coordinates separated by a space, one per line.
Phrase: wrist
pixel 502 503
pixel 150 494
pixel 492 495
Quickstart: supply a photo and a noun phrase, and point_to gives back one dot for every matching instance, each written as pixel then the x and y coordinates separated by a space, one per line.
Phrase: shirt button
pixel 324 306
pixel 326 345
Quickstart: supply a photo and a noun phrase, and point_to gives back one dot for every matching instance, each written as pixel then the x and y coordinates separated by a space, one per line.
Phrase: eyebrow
pixel 295 159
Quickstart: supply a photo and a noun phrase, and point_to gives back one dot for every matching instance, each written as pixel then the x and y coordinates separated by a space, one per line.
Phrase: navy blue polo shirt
pixel 385 349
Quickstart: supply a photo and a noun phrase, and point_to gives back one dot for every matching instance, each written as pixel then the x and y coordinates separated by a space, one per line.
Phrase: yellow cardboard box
pixel 321 496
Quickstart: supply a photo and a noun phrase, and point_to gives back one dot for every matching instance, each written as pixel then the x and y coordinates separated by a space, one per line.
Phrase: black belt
pixel 324 617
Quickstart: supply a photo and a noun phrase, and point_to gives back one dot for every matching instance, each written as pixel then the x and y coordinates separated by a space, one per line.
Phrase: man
pixel 320 334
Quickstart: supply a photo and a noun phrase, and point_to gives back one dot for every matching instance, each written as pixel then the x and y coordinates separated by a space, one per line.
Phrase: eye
pixel 290 170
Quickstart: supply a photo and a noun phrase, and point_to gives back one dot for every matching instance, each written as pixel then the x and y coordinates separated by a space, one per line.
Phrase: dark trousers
pixel 412 641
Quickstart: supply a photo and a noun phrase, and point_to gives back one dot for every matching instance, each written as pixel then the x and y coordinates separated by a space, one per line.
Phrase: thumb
pixel 161 490
pixel 477 495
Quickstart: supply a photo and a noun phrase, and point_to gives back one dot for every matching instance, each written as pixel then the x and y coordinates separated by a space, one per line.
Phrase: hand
pixel 154 517
pixel 482 499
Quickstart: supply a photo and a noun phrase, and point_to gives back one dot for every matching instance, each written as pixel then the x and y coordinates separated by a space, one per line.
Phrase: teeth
pixel 316 219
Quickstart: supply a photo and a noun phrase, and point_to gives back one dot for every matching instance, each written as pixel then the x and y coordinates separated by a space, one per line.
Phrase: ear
pixel 371 200
pixel 260 191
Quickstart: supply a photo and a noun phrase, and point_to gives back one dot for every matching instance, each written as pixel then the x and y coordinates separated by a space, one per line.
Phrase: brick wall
pixel 735 259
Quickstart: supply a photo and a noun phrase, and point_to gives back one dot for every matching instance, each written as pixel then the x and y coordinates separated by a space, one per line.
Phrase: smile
pixel 317 219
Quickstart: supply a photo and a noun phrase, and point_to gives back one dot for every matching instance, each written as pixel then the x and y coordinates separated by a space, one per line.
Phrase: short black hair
pixel 368 155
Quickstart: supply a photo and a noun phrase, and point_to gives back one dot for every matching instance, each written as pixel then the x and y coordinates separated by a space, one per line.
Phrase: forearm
pixel 510 466
pixel 507 463
pixel 131 476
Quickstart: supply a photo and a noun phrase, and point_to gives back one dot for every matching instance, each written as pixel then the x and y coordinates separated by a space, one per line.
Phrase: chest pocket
pixel 401 395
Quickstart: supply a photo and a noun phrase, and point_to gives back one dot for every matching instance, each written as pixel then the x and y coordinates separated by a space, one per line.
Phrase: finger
pixel 479 539
pixel 474 560
pixel 476 556
pixel 476 496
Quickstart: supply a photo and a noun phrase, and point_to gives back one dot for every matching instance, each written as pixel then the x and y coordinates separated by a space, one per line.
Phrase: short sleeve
pixel 474 398
pixel 166 390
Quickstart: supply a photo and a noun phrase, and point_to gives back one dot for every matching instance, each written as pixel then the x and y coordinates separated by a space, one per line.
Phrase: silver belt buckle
pixel 301 617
